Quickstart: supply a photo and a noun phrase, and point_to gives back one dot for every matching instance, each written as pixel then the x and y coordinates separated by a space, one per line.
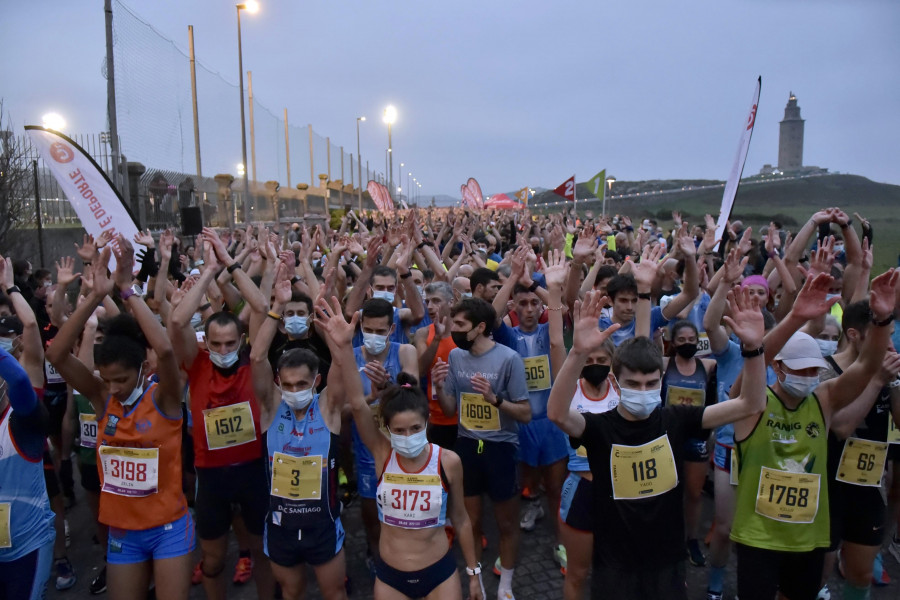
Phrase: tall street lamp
pixel 250 6
pixel 609 181
pixel 359 161
pixel 53 121
pixel 390 117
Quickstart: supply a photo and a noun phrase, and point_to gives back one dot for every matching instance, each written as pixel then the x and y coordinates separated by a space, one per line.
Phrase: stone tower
pixel 790 140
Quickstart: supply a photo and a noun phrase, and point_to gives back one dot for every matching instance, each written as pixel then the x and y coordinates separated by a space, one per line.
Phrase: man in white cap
pixel 781 524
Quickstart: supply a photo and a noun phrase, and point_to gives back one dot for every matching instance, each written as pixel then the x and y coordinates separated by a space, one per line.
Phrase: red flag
pixel 567 189
pixel 471 193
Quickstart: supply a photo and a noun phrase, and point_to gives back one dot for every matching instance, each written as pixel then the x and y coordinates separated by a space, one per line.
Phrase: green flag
pixel 596 184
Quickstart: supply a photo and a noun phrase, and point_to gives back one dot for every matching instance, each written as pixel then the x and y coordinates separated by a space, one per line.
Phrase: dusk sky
pixel 512 93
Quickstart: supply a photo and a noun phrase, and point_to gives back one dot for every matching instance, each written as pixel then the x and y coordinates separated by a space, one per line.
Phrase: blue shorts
pixel 542 443
pixel 576 503
pixel 366 482
pixel 128 546
pixel 722 457
pixel 26 577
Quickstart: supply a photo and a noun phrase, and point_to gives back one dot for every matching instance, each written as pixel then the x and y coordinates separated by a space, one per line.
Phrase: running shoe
pixel 561 558
pixel 496 568
pixel 880 577
pixel 98 584
pixel 197 575
pixel 824 593
pixel 534 511
pixel 711 595
pixel 243 570
pixel 894 548
pixel 65 574
pixel 695 554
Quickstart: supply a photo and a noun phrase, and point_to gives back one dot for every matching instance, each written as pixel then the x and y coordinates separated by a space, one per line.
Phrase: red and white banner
pixel 380 196
pixel 471 194
pixel 734 178
pixel 567 189
pixel 90 192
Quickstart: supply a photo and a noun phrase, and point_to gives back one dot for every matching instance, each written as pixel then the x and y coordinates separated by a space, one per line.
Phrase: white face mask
pixel 374 343
pixel 800 386
pixel 297 400
pixel 830 296
pixel 7 344
pixel 409 446
pixel 828 347
pixel 296 326
pixel 640 403
pixel 389 296
pixel 224 361
pixel 137 391
pixel 838 248
pixel 196 320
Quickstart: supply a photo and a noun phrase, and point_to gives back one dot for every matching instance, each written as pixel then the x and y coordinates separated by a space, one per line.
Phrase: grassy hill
pixel 759 200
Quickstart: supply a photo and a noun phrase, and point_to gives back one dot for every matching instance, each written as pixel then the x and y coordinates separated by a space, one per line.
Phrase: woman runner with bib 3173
pixel 138 437
pixel 415 481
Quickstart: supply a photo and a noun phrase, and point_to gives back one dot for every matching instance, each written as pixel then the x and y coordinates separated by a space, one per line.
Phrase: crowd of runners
pixel 598 373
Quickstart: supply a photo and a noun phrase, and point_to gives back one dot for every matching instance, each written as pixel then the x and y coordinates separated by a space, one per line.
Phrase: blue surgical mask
pixel 640 403
pixel 7 344
pixel 296 326
pixel 196 320
pixel 224 361
pixel 409 446
pixel 374 343
pixel 828 347
pixel 830 296
pixel 800 386
pixel 384 295
pixel 465 295
pixel 297 400
pixel 137 391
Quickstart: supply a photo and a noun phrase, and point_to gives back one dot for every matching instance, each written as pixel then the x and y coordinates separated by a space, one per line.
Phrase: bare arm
pixel 180 331
pixel 32 346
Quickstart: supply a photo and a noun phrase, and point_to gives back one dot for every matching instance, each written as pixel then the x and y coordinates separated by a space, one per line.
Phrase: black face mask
pixel 461 341
pixel 686 350
pixel 595 374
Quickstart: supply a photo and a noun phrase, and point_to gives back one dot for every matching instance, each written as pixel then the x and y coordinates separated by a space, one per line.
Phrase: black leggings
pixel 417 584
pixel 761 573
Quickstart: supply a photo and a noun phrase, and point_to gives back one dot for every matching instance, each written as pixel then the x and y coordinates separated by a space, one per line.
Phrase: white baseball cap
pixel 801 352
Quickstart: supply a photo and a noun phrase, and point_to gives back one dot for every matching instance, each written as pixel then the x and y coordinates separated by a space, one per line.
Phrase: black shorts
pixel 489 468
pixel 90 477
pixel 417 584
pixel 50 478
pixel 443 435
pixel 314 546
pixel 858 514
pixel 218 488
pixel 762 573
pixel 576 503
pixel 55 398
pixel 696 450
pixel 640 583
pixel 893 452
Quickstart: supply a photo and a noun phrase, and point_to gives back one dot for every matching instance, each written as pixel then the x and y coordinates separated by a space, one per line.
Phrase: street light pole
pixel 252 7
pixel 390 116
pixel 359 160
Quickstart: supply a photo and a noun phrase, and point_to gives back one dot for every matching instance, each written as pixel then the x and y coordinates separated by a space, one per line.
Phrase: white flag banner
pixel 88 189
pixel 734 178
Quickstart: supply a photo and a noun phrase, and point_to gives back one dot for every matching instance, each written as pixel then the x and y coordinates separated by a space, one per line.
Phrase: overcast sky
pixel 513 93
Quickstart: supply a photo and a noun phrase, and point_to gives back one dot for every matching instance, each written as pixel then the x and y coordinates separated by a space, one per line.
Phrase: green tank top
pixel 782 495
pixel 87 430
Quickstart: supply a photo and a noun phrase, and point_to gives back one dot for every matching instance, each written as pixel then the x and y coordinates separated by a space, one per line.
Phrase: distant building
pixel 790 139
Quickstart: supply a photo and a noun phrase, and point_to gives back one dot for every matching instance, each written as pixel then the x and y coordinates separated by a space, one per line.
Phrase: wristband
pixel 534 286
pixel 884 323
pixel 406 275
pixel 475 571
pixel 13 288
pixel 499 401
pixel 206 306
pixel 233 267
pixel 644 296
pixel 419 247
pixel 273 315
pixel 753 353
pixel 848 224
pixel 295 279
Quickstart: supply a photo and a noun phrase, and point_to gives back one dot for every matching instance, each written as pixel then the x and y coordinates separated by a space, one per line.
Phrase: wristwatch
pixel 134 290
pixel 475 571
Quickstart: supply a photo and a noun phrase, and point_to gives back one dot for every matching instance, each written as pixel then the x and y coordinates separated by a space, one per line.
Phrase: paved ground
pixel 537 576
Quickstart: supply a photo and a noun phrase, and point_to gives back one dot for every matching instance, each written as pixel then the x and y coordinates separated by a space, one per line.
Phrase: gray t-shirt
pixel 504 368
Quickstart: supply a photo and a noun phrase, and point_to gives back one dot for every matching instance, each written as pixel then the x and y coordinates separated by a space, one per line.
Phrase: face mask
pixel 421 291
pixel 196 320
pixel 297 400
pixel 838 248
pixel 830 296
pixel 224 361
pixel 7 344
pixel 640 403
pixel 137 391
pixel 296 326
pixel 686 350
pixel 465 295
pixel 409 446
pixel 828 347
pixel 48 284
pixel 595 374
pixel 460 338
pixel 374 343
pixel 800 386
pixel 482 249
pixel 389 296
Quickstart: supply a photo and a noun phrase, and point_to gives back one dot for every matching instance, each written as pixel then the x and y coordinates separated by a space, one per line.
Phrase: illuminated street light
pixel 53 121
pixel 251 6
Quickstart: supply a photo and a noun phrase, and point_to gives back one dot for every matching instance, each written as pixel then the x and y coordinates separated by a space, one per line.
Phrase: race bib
pixel 229 426
pixel 130 471
pixel 893 435
pixel 5 536
pixel 703 345
pixel 788 497
pixel 296 477
pixel 735 468
pixel 477 415
pixel 411 500
pixel 87 424
pixel 862 462
pixel 680 396
pixel 52 374
pixel 642 471
pixel 537 372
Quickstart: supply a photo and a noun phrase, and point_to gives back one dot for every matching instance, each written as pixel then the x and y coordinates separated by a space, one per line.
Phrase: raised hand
pixel 441 326
pixel 746 320
pixel 65 274
pixel 823 259
pixel 585 245
pixel 734 266
pixel 283 291
pixel 882 294
pixel 439 372
pixel 684 242
pixel 773 240
pixel 166 239
pixel 746 238
pixel 867 254
pixel 144 238
pixel 210 236
pixel 890 368
pixel 124 253
pixel 645 271
pixel 676 217
pixel 587 334
pixel 102 283
pixel 556 270
pixel 811 301
pixel 104 238
pixel 87 252
pixel 372 251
